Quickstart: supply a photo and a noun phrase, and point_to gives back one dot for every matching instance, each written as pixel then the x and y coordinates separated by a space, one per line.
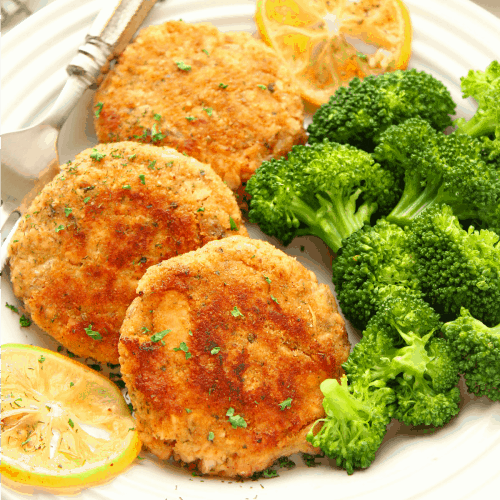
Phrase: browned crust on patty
pixel 148 98
pixel 258 328
pixel 92 232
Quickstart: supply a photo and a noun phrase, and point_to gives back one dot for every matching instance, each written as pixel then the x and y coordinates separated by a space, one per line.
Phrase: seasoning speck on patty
pixel 222 98
pixel 92 232
pixel 223 352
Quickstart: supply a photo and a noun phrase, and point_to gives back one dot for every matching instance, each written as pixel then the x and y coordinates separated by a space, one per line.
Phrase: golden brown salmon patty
pixel 223 352
pixel 92 232
pixel 223 98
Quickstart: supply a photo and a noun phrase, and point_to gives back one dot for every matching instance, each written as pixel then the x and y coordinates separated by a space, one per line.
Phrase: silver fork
pixel 29 156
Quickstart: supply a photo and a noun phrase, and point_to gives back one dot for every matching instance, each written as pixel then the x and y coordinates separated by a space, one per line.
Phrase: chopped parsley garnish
pixel 184 348
pixel 209 111
pixel 86 200
pixel 236 312
pixel 183 66
pixel 215 350
pixel 152 164
pixel 263 87
pixel 235 420
pixel 60 228
pixel 156 337
pixel 99 106
pixel 275 299
pixel 126 186
pixel 201 209
pixel 188 410
pixel 362 56
pixel 92 334
pixel 41 359
pixel 157 117
pixel 71 424
pixel 232 224
pixel 270 473
pixel 190 333
pixel 206 52
pixel 310 460
pixel 95 155
pixel 131 157
pixel 211 436
pixel 12 308
pixel 267 279
pixel 156 135
pixel 71 384
pixel 286 404
pixel 143 178
pixel 223 85
pixel 67 211
pixel 24 321
pixel 190 118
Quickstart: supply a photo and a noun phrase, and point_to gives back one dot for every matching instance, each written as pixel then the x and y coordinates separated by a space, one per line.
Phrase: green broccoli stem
pixel 414 200
pixel 335 220
pixel 478 128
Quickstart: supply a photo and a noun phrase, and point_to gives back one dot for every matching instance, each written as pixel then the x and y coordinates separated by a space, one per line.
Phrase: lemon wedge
pixel 63 424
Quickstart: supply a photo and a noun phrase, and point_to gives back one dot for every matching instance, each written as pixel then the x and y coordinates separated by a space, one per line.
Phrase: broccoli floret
pixel 484 87
pixel 478 348
pixel 326 190
pixel 374 263
pixel 356 421
pixel 438 169
pixel 400 348
pixel 359 113
pixel 457 268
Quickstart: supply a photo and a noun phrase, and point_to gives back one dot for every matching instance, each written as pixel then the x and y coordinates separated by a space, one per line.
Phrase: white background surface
pixel 459 461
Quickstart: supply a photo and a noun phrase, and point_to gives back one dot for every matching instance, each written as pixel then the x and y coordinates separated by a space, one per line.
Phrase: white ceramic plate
pixel 460 460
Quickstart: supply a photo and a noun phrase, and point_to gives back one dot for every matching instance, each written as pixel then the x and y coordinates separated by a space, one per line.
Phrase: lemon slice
pixel 326 43
pixel 63 424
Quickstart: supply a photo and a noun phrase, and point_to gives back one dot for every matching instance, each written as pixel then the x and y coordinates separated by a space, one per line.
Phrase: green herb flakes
pixel 215 350
pixel 211 436
pixel 156 135
pixel 286 404
pixel 126 186
pixel 188 410
pixel 99 106
pixel 95 155
pixel 92 334
pixel 206 52
pixel 152 164
pixel 68 211
pixel 157 117
pixel 201 209
pixel 235 420
pixel 156 337
pixel 71 424
pixel 267 279
pixel 275 299
pixel 12 308
pixel 223 85
pixel 208 111
pixel 60 227
pixel 236 312
pixel 86 200
pixel 183 66
pixel 232 224
pixel 41 359
pixel 143 178
pixel 190 118
pixel 184 348
pixel 24 321
pixel 263 87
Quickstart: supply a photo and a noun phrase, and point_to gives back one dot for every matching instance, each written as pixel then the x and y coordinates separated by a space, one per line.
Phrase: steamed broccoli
pixel 400 349
pixel 356 421
pixel 484 87
pixel 457 268
pixel 327 190
pixel 438 169
pixel 478 348
pixel 374 262
pixel 359 113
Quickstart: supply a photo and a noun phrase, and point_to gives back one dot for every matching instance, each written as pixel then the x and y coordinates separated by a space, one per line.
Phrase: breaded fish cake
pixel 223 98
pixel 223 352
pixel 92 232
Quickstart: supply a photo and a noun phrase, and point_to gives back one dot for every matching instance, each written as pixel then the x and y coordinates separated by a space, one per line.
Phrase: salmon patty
pixel 222 98
pixel 223 352
pixel 92 232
